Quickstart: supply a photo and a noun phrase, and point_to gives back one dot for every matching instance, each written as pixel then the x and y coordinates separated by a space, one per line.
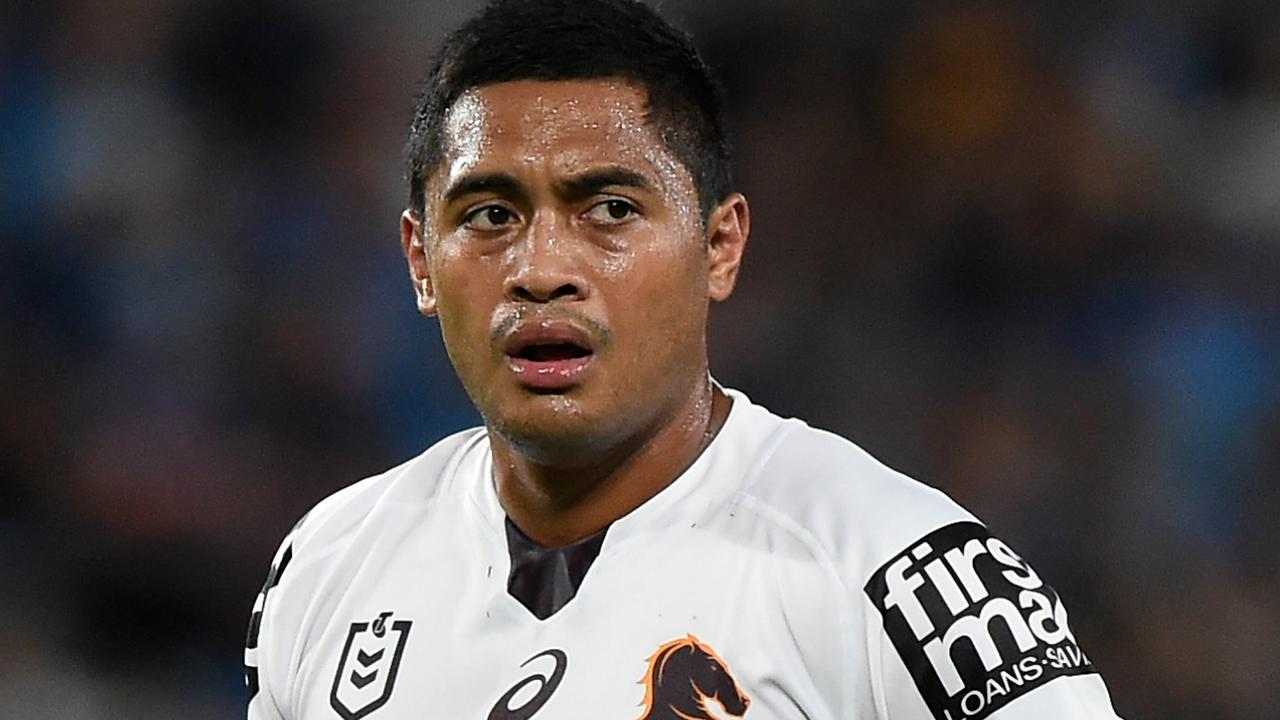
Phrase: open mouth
pixel 551 352
pixel 549 356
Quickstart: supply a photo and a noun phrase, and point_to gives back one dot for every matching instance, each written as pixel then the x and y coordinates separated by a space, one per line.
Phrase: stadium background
pixel 1028 252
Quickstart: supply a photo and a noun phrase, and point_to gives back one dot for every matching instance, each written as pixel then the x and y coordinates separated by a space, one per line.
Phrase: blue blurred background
pixel 1029 253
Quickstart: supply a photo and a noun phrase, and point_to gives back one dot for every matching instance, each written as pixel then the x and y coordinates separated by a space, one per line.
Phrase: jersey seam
pixel 771 514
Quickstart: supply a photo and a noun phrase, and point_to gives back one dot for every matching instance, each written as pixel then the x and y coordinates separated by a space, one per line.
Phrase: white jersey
pixel 786 574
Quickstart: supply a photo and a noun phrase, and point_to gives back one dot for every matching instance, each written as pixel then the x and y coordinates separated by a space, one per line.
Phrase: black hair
pixel 575 40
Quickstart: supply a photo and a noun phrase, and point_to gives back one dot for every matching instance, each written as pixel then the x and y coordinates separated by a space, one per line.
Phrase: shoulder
pixel 847 505
pixel 953 622
pixel 416 482
pixel 332 528
pixel 289 596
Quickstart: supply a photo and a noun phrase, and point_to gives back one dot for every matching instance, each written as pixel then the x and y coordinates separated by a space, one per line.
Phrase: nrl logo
pixel 367 670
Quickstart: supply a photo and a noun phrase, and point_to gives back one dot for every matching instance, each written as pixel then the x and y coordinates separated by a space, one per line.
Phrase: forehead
pixel 560 126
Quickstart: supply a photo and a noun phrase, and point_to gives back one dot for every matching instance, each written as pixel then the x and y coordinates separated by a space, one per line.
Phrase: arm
pixel 261 656
pixel 969 631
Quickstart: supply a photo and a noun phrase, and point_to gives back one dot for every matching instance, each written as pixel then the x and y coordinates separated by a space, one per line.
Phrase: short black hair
pixel 576 40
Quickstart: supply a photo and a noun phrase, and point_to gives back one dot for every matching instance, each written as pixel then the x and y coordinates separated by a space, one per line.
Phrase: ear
pixel 415 253
pixel 727 231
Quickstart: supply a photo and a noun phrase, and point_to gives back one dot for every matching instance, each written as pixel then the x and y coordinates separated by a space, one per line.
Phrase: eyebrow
pixel 593 181
pixel 578 186
pixel 496 182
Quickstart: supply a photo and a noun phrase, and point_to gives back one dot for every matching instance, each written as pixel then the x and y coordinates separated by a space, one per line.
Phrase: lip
pixel 554 374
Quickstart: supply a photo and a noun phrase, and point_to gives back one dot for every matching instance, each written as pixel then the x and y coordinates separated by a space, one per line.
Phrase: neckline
pixel 662 509
pixel 545 580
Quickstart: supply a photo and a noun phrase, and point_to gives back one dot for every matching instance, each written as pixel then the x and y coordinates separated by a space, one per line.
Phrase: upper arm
pixel 262 656
pixel 967 627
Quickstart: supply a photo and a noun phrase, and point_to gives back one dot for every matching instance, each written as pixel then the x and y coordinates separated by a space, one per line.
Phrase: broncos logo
pixel 684 675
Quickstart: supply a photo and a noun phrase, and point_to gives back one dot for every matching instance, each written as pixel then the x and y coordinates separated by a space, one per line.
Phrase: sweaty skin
pixel 557 208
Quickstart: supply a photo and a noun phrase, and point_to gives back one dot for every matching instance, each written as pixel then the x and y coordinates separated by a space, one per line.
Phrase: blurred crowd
pixel 1026 252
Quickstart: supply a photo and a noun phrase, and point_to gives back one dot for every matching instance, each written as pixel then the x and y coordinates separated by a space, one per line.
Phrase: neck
pixel 558 504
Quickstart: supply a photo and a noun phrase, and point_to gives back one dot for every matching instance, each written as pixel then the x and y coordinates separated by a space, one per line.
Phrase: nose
pixel 546 265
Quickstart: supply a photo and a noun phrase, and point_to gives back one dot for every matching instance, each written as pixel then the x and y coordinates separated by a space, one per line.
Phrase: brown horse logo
pixel 686 674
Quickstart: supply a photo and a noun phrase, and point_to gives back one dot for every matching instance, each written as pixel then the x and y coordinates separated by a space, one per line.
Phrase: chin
pixel 552 429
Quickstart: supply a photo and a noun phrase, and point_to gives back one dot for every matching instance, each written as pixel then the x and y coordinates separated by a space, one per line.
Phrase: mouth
pixel 549 356
pixel 552 352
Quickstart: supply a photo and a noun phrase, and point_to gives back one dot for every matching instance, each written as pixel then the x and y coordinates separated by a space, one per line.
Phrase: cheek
pixel 464 306
pixel 460 343
pixel 665 301
pixel 463 280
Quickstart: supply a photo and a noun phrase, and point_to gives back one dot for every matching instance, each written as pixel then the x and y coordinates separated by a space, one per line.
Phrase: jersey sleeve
pixel 264 658
pixel 969 631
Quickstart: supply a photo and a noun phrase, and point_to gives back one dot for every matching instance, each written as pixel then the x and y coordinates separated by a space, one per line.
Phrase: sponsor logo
pixel 546 682
pixel 974 624
pixel 684 676
pixel 367 669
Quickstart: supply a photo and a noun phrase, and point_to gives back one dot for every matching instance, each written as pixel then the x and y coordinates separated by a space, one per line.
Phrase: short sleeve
pixel 970 631
pixel 262 654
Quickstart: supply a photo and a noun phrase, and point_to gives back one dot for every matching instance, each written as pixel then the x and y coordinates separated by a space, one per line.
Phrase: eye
pixel 489 217
pixel 613 211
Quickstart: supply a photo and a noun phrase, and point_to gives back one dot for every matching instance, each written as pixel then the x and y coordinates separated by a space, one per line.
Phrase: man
pixel 624 538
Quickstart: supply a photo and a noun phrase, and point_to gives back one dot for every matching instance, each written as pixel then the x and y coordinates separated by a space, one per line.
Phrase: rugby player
pixel 625 538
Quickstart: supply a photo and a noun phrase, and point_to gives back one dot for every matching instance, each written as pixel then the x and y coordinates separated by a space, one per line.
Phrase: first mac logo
pixel 974 624
pixel 367 670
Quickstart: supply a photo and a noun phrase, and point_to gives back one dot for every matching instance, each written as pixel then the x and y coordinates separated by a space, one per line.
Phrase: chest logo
pixel 547 684
pixel 685 675
pixel 367 669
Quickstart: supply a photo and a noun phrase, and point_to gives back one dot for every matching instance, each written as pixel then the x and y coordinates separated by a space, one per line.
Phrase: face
pixel 563 249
